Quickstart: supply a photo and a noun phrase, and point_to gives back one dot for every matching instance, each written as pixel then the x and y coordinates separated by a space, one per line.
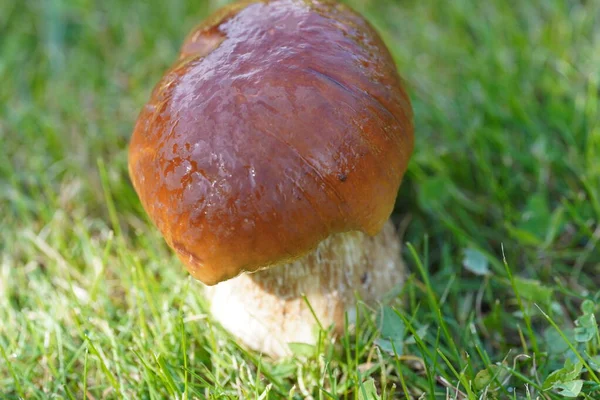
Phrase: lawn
pixel 502 200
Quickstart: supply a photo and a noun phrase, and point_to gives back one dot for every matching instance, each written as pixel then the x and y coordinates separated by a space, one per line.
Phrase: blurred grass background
pixel 503 195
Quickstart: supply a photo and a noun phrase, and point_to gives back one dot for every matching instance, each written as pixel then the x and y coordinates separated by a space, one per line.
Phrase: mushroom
pixel 269 156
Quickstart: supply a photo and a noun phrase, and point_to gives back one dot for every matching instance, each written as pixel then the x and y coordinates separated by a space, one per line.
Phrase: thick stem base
pixel 266 309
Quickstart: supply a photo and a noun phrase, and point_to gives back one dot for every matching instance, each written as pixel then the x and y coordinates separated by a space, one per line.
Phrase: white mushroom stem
pixel 266 309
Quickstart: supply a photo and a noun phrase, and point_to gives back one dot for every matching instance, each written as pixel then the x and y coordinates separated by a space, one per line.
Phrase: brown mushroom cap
pixel 282 123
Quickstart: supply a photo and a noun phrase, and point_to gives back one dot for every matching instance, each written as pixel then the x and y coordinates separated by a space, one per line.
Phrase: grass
pixel 503 194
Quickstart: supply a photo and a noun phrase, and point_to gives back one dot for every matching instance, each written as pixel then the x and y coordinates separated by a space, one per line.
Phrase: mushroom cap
pixel 281 123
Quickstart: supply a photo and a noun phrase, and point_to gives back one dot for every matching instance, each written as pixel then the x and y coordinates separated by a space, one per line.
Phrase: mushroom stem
pixel 266 310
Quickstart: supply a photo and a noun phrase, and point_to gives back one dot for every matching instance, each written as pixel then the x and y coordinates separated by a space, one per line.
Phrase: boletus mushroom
pixel 269 156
